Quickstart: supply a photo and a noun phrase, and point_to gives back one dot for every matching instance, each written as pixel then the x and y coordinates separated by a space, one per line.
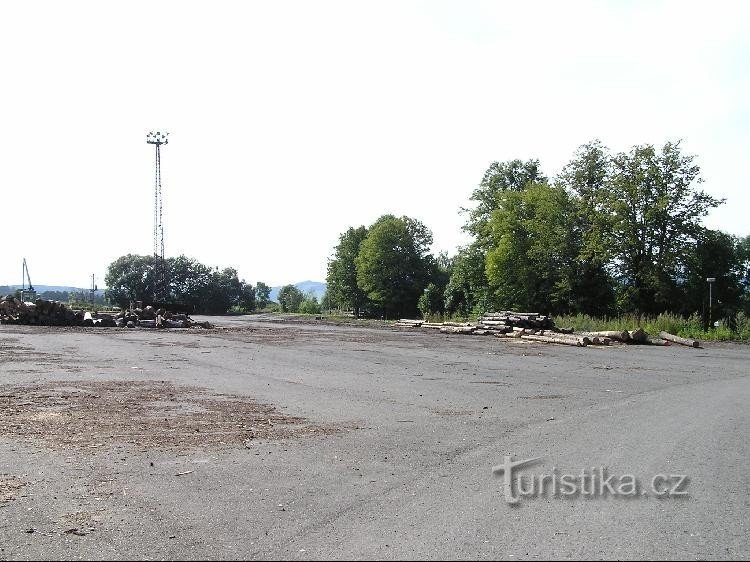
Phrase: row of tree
pixel 190 283
pixel 612 233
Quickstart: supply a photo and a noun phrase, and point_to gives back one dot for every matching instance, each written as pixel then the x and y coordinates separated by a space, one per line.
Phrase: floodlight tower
pixel 158 138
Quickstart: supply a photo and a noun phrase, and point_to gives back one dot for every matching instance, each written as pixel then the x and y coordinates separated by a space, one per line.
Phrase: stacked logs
pixel 41 312
pixel 511 319
pixel 150 317
pixel 533 326
pixel 52 313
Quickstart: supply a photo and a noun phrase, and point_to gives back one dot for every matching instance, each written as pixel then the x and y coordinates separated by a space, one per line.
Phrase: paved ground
pixel 289 440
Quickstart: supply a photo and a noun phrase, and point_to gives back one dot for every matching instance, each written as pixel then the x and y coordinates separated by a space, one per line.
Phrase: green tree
pixel 467 290
pixel 431 301
pixel 130 278
pixel 656 209
pixel 533 248
pixel 393 264
pixel 341 279
pixel 310 304
pixel 587 176
pixel 213 291
pixel 720 255
pixel 743 256
pixel 327 303
pixel 499 178
pixel 223 291
pixel 189 281
pixel 247 299
pixel 591 283
pixel 262 295
pixel 290 298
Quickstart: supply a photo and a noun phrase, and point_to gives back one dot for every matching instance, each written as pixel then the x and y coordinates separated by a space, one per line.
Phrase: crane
pixel 27 294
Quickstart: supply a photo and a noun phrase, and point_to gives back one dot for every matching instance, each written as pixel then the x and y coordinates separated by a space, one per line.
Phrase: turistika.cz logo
pixel 595 482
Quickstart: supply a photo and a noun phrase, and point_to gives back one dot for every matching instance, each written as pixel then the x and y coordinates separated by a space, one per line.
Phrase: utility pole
pixel 711 281
pixel 158 138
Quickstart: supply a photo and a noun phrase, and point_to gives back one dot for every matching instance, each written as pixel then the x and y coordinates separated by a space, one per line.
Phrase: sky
pixel 291 121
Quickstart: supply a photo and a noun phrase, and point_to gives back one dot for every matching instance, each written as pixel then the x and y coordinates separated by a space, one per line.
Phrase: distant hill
pixel 317 288
pixel 6 289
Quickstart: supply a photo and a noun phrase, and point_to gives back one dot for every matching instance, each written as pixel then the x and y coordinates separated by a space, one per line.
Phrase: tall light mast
pixel 158 138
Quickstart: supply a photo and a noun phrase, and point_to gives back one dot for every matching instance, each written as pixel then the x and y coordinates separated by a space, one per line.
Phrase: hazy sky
pixel 291 121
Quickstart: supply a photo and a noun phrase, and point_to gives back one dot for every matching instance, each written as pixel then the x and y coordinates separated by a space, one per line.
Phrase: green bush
pixel 310 306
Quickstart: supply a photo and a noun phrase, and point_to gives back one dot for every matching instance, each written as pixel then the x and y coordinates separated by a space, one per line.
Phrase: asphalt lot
pixel 310 441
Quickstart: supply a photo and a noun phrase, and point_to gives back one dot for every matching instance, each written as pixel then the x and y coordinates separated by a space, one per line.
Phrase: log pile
pixel 511 319
pixel 150 317
pixel 52 313
pixel 40 312
pixel 533 326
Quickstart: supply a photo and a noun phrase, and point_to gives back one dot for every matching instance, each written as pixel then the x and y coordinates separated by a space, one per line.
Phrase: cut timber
pixel 585 340
pixel 639 336
pixel 623 336
pixel 457 330
pixel 657 341
pixel 677 339
pixel 553 339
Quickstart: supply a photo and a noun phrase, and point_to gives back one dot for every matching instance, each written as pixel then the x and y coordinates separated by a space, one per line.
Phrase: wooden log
pixel 584 339
pixel 650 340
pixel 623 336
pixel 457 329
pixel 677 339
pixel 638 336
pixel 558 340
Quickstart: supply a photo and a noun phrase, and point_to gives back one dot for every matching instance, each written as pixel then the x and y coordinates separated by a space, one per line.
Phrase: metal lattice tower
pixel 160 265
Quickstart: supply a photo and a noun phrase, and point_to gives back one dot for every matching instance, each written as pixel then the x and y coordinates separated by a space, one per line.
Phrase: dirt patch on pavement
pixel 9 487
pixel 144 414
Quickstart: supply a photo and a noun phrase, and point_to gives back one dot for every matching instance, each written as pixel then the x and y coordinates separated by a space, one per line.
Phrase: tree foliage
pixel 130 278
pixel 614 233
pixel 498 179
pixel 262 295
pixel 656 211
pixel 394 264
pixel 431 301
pixel 290 298
pixel 467 290
pixel 343 290
pixel 191 283
pixel 530 264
